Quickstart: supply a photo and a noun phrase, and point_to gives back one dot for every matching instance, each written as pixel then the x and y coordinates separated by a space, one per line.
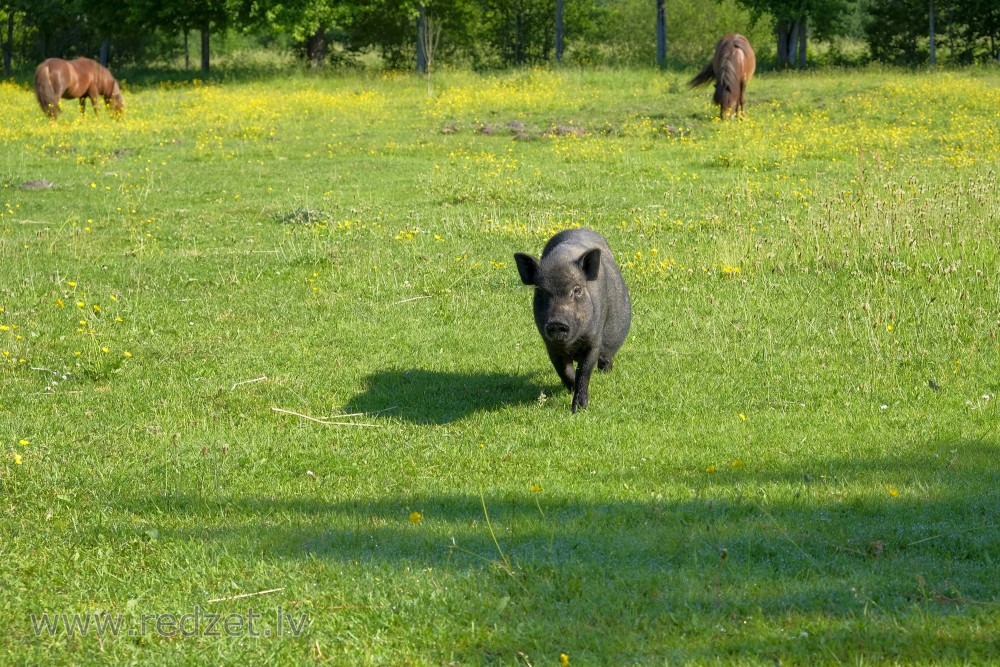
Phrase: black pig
pixel 581 305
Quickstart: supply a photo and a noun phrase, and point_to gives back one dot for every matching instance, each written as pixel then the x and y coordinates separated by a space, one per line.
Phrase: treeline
pixel 485 34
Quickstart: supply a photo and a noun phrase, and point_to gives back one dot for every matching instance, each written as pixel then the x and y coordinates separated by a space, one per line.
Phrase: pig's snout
pixel 556 330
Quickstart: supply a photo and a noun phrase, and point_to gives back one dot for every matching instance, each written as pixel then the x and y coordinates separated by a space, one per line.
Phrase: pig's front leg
pixel 563 364
pixel 581 392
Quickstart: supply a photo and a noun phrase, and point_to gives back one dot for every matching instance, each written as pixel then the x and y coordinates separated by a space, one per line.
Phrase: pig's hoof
pixel 605 365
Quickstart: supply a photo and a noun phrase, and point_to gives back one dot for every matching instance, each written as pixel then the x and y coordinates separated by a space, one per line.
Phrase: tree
pixel 917 31
pixel 661 33
pixel 14 13
pixel 791 18
pixel 560 43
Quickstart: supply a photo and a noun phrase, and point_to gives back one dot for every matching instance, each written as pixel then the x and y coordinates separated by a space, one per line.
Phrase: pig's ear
pixel 527 266
pixel 590 263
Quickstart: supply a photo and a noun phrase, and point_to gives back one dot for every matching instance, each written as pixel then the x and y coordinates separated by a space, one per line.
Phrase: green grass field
pixel 794 461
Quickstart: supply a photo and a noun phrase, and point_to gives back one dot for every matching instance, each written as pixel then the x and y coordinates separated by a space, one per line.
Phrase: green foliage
pixel 967 31
pixel 489 35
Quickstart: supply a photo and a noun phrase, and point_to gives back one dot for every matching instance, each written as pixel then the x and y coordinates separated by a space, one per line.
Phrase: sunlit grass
pixel 794 459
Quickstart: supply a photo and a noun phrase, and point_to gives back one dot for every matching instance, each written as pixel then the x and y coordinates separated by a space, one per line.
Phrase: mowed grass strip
pixel 794 459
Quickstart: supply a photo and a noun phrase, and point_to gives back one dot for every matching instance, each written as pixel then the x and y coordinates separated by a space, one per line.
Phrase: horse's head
pixel 114 99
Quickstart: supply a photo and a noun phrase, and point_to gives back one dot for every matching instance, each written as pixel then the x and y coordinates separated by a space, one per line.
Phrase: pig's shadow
pixel 441 397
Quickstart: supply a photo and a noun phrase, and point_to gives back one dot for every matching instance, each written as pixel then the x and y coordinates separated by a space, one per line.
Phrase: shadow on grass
pixel 741 570
pixel 440 397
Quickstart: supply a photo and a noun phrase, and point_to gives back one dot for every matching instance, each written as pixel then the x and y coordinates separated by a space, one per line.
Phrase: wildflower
pixel 59 302
pixel 105 350
pixel 743 417
pixel 535 488
pixel 17 459
pixel 71 283
pixel 563 659
pixel 737 463
pixel 24 442
pixel 888 327
pixel 128 355
pixel 710 468
pixel 416 517
pixel 893 492
pixel 80 304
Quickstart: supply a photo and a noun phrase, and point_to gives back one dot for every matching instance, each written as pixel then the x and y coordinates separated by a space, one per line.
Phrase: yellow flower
pixel 737 463
pixel 743 417
pixel 710 468
pixel 80 304
pixel 128 355
pixel 71 284
pixel 535 488
pixel 105 350
pixel 888 327
pixel 893 492
pixel 416 517
pixel 23 442
pixel 17 459
pixel 563 659
pixel 59 302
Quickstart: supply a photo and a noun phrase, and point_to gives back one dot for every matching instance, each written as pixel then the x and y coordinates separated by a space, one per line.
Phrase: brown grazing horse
pixel 57 78
pixel 733 65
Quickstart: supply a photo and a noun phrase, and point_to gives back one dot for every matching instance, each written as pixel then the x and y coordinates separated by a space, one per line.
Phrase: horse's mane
pixel 727 77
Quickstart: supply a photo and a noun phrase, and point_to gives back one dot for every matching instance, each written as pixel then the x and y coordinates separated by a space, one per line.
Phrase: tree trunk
pixel 661 34
pixel 933 54
pixel 204 49
pixel 793 43
pixel 105 45
pixel 559 30
pixel 422 40
pixel 781 30
pixel 8 46
pixel 187 51
pixel 801 25
pixel 316 47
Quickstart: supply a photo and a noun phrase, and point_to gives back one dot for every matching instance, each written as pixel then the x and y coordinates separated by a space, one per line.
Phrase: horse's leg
pixel 91 92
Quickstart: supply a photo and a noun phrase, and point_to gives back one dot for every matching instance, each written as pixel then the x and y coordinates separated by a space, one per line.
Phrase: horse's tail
pixel 44 92
pixel 706 74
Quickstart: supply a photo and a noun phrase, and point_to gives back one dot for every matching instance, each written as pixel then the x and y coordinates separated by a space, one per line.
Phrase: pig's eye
pixel 577 291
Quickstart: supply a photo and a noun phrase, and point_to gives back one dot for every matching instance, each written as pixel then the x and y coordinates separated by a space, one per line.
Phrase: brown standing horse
pixel 733 65
pixel 57 78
